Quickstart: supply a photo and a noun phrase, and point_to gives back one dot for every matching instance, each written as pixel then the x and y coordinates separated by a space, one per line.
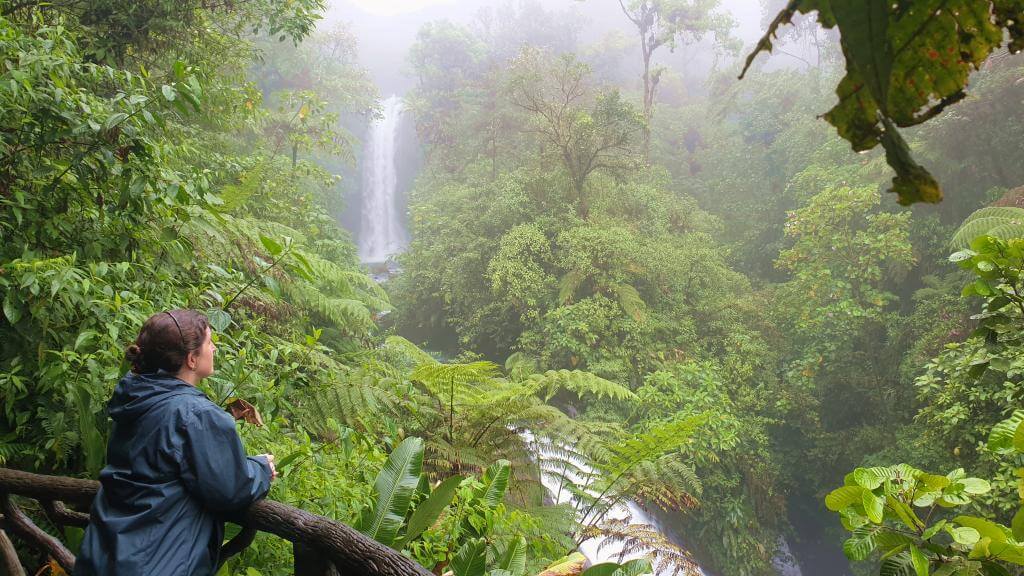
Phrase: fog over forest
pixel 386 30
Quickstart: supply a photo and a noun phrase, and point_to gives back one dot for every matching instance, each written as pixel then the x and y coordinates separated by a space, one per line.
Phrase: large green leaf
pixel 470 559
pixel 428 511
pixel 495 483
pixel 1000 439
pixel 919 561
pixel 1017 525
pixel 843 496
pixel 571 564
pixel 986 528
pixel 874 506
pixel 393 490
pixel 514 558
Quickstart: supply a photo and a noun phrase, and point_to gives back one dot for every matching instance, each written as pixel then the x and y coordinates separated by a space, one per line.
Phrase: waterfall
pixel 381 233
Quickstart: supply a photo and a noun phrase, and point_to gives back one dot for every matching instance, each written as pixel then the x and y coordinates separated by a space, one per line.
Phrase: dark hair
pixel 165 341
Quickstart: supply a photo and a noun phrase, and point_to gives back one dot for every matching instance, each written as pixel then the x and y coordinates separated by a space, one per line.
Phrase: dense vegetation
pixel 681 290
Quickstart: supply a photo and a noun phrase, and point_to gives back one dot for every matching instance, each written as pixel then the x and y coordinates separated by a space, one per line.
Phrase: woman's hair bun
pixel 133 354
pixel 165 340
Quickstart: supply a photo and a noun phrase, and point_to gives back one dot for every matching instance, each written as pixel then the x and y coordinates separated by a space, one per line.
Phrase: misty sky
pixel 387 28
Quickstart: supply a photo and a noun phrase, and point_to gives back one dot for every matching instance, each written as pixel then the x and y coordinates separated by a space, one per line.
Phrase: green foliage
pixel 904 66
pixel 879 506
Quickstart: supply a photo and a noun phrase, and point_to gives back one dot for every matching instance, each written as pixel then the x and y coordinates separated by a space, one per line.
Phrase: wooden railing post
pixel 9 557
pixel 311 562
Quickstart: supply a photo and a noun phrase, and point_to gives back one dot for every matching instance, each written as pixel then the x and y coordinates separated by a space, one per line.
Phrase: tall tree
pixel 589 129
pixel 669 23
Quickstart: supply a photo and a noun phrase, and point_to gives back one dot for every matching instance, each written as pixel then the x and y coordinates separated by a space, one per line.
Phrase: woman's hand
pixel 273 469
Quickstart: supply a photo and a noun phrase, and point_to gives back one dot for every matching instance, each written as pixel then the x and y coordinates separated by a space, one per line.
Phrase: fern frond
pixel 435 375
pixel 234 196
pixel 644 540
pixel 578 382
pixel 401 351
pixel 569 284
pixel 667 482
pixel 1003 222
pixel 646 446
pixel 630 301
pixel 344 312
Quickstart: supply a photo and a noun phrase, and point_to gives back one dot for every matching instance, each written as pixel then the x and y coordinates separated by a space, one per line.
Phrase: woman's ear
pixel 192 360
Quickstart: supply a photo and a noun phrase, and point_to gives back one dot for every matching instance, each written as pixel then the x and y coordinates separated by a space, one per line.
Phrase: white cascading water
pixel 381 232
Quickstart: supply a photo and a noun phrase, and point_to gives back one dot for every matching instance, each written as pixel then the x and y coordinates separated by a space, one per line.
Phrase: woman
pixel 174 461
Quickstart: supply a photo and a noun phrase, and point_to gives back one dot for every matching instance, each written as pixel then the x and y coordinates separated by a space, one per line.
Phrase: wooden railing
pixel 322 546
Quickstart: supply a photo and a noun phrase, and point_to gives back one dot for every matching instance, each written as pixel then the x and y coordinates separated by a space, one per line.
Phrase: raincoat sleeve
pixel 215 467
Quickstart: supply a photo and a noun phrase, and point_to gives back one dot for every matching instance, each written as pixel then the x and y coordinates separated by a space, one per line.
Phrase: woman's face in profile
pixel 204 355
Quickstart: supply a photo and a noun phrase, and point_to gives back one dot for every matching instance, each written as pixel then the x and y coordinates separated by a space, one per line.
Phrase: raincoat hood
pixel 136 394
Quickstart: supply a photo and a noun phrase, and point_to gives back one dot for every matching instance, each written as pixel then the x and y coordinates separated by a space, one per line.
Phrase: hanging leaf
pixel 906 62
pixel 272 246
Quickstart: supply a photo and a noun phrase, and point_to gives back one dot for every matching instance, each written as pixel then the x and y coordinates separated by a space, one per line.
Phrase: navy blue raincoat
pixel 174 465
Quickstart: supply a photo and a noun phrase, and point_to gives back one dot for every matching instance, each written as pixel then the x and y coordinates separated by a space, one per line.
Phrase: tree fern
pixel 342 311
pixel 355 397
pixel 400 351
pixel 333 278
pixel 651 444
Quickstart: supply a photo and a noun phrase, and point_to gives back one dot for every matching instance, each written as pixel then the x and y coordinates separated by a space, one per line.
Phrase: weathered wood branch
pixel 61 515
pixel 350 551
pixel 22 526
pixel 9 557
pixel 42 487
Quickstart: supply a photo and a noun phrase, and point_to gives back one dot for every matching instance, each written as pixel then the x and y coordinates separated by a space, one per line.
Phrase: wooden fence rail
pixel 322 546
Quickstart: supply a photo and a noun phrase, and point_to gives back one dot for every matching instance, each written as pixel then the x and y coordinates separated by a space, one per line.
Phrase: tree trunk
pixel 648 95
